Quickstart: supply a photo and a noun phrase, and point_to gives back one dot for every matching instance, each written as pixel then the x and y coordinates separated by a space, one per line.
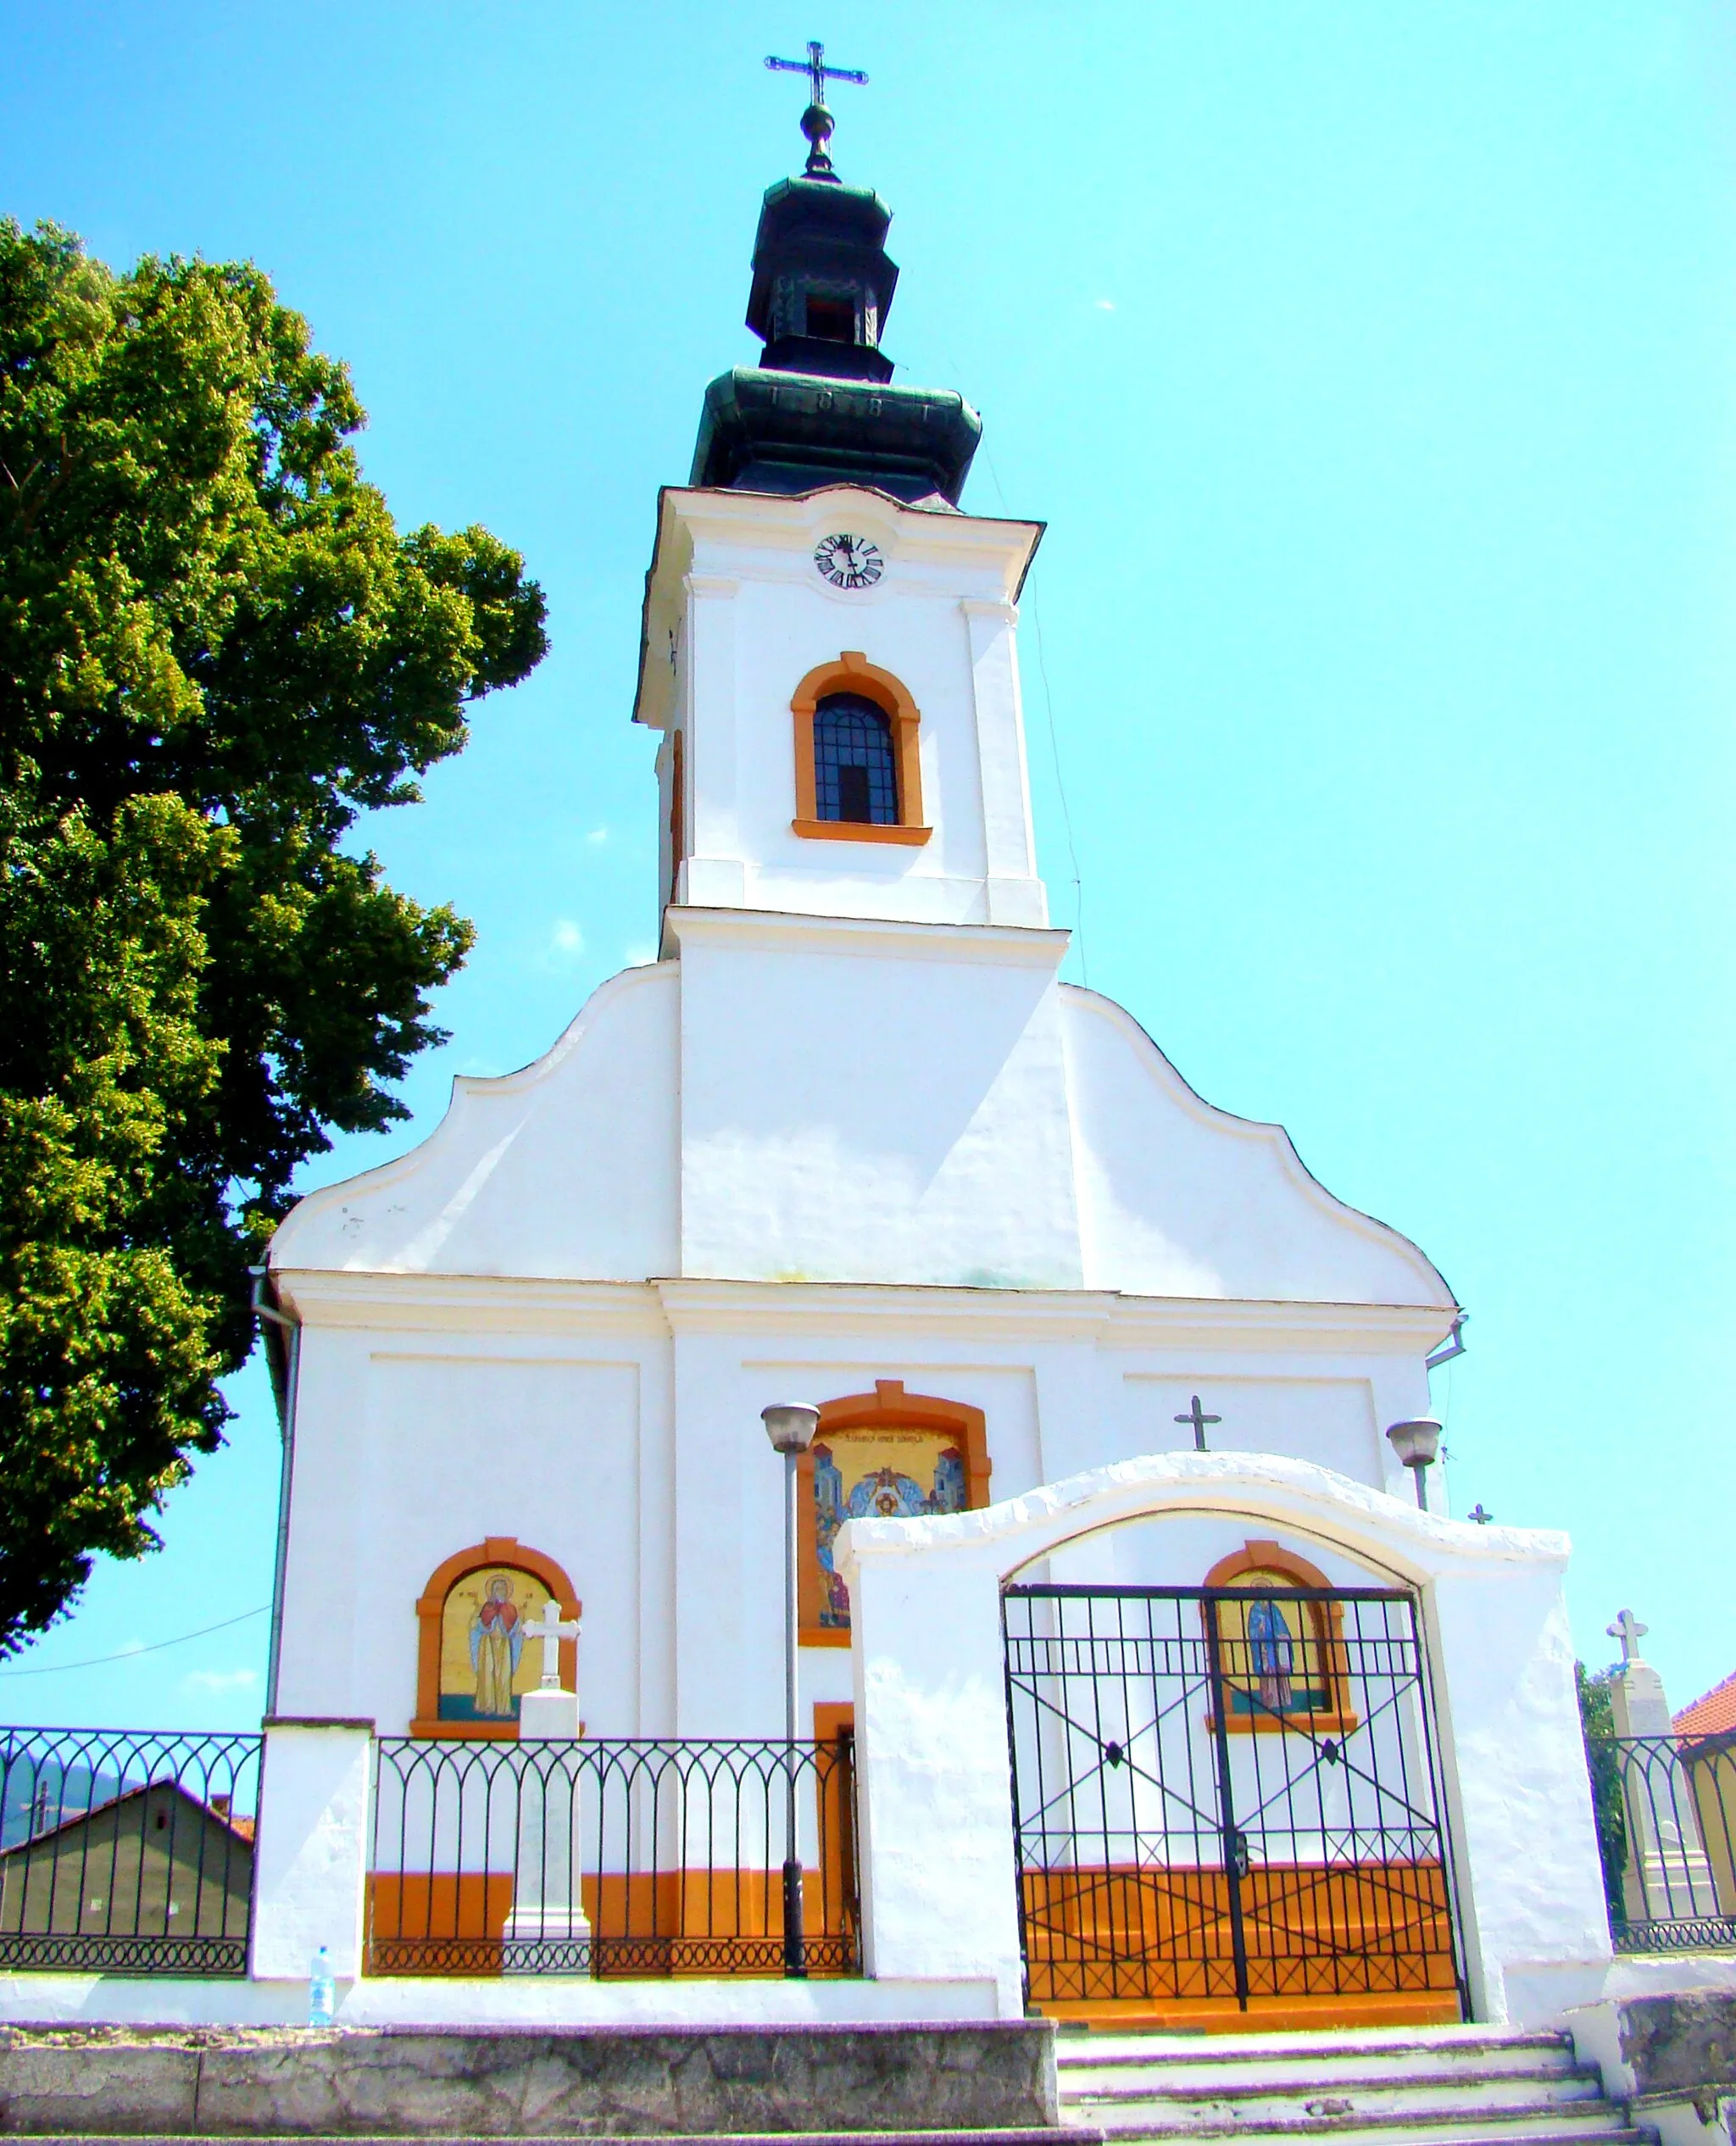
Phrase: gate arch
pixel 937 1846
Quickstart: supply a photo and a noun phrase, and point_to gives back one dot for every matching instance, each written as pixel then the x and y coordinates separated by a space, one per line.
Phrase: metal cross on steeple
pixel 1630 1631
pixel 817 120
pixel 1192 1415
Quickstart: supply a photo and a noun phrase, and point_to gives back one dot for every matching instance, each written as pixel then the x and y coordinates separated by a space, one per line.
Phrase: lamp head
pixel 790 1425
pixel 1416 1442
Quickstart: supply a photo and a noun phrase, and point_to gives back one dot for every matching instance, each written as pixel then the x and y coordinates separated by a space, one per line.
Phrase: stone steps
pixel 1444 2086
pixel 1063 2135
pixel 1389 2052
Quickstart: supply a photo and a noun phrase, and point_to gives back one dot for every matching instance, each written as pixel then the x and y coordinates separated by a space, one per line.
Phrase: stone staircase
pixel 1396 2086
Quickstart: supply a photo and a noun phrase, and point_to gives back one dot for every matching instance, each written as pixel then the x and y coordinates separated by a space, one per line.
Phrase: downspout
pixel 283 1354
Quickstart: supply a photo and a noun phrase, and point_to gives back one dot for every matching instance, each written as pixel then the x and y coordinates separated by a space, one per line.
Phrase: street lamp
pixel 790 1425
pixel 1417 1443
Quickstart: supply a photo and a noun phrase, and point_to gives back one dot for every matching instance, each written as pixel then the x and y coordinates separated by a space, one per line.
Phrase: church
pixel 1141 1670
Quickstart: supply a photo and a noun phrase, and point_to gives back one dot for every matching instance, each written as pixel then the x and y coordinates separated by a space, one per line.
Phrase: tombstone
pixel 1667 1878
pixel 548 1907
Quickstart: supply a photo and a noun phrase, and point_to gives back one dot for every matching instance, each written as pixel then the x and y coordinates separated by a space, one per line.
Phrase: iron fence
pixel 612 1857
pixel 126 1852
pixel 1665 1808
pixel 1225 1796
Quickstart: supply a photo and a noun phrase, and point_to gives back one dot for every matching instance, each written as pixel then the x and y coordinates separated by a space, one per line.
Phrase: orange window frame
pixel 852 673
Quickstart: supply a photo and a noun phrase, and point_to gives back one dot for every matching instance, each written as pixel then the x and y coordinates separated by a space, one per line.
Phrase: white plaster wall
pixel 1326 1420
pixel 822 1098
pixel 568 1168
pixel 872 1106
pixel 315 1808
pixel 410 1448
pixel 1180 1549
pixel 735 596
pixel 1176 1199
pixel 618 1430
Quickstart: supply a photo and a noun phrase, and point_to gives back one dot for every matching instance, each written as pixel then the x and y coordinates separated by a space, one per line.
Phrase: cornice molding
pixel 695 1304
pixel 483 1303
pixel 1004 945
pixel 673 1305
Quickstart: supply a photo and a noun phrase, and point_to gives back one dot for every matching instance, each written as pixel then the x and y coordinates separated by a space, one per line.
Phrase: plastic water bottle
pixel 322 1990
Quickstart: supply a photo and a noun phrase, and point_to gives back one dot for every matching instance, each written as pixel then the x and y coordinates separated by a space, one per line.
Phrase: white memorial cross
pixel 1668 1877
pixel 1630 1631
pixel 551 1629
pixel 546 1908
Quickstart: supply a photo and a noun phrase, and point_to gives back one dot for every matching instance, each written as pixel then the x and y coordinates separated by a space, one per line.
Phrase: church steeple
pixel 821 408
pixel 822 282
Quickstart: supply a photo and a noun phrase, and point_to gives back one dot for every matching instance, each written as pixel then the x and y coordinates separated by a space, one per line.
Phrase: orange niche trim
pixel 852 673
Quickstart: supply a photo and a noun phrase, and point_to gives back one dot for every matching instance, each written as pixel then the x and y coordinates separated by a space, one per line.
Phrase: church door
pixel 1227 1807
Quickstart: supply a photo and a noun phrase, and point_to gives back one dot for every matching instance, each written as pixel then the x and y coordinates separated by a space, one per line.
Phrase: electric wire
pixel 132 1653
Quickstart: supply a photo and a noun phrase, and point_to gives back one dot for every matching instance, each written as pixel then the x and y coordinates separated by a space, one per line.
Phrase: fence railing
pixel 613 1858
pixel 128 1852
pixel 1666 1809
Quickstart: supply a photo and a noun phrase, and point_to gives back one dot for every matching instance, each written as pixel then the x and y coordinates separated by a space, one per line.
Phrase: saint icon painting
pixel 484 1667
pixel 876 1474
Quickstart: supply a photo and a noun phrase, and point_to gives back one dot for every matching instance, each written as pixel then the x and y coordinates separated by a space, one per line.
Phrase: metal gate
pixel 1226 1795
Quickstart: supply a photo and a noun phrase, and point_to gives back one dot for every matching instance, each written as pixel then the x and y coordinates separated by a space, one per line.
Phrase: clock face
pixel 849 562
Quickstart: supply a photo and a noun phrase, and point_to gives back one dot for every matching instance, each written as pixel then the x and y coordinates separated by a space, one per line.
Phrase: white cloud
pixel 222 1680
pixel 640 956
pixel 1105 305
pixel 568 940
pixel 598 834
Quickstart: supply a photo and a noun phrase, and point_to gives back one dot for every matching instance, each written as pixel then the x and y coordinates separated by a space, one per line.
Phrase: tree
pixel 216 650
pixel 1603 1760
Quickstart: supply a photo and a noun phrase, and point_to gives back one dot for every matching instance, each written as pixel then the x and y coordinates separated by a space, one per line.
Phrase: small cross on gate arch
pixel 1193 1414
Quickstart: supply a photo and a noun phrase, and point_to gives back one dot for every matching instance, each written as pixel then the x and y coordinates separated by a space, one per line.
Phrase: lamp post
pixel 790 1425
pixel 1416 1442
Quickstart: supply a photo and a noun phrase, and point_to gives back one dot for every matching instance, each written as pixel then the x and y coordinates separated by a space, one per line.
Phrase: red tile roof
pixel 1709 1715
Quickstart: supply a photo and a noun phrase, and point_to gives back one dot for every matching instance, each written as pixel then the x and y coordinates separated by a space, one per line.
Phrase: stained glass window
pixel 854 776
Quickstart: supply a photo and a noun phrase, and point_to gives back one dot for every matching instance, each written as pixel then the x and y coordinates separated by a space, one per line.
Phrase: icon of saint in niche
pixel 828 1519
pixel 1269 1644
pixel 497 1640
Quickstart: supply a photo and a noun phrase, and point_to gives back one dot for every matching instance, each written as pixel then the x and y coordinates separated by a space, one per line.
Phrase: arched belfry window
pixel 854 778
pixel 858 762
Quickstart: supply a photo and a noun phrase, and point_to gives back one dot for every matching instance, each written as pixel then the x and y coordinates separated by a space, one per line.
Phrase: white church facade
pixel 1104 1374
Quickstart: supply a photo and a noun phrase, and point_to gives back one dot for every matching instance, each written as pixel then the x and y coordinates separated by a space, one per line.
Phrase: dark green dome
pixel 820 408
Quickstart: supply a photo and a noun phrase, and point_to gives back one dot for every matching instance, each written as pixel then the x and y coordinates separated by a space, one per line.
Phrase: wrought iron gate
pixel 1223 1795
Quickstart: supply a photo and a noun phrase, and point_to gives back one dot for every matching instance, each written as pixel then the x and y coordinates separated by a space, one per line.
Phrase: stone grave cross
pixel 1630 1631
pixel 551 1629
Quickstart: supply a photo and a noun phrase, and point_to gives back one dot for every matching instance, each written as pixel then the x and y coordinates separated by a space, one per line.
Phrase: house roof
pixel 241 1828
pixel 1711 1714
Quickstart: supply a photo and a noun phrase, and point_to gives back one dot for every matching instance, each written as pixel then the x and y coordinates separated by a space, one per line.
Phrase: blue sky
pixel 1372 367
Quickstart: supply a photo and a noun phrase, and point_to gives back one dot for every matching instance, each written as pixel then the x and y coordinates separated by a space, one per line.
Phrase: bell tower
pixel 829 643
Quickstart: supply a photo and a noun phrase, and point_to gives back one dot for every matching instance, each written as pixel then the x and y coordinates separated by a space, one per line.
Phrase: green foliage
pixel 215 651
pixel 1603 1760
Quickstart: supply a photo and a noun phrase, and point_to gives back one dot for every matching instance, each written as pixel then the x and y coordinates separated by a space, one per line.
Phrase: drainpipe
pixel 283 1355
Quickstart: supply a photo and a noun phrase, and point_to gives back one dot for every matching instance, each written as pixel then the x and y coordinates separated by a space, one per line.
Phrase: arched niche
pixel 460 1594
pixel 1282 1662
pixel 859 1443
